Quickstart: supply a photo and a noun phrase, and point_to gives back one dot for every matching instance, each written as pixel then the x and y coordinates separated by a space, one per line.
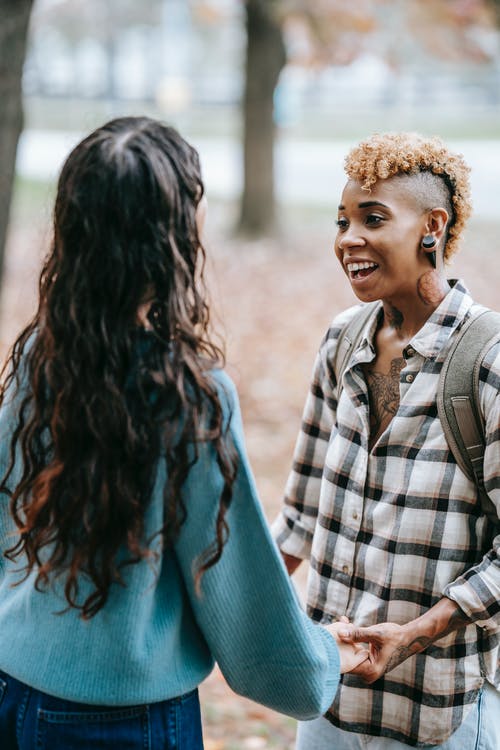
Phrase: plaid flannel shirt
pixel 390 531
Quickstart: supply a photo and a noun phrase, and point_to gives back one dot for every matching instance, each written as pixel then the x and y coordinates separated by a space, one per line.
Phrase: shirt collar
pixel 435 332
pixel 446 318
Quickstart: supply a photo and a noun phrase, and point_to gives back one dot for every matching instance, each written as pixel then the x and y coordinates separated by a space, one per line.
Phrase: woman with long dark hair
pixel 135 549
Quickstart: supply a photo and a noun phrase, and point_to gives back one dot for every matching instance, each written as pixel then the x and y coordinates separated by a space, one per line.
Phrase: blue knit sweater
pixel 157 638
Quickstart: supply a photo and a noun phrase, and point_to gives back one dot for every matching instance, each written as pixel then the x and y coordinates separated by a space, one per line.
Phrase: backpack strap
pixel 348 341
pixel 458 404
pixel 458 398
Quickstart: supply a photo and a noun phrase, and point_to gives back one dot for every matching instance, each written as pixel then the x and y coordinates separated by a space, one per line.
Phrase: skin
pixel 383 389
pixel 429 288
pixel 390 644
pixel 386 226
pixel 394 317
pixel 352 655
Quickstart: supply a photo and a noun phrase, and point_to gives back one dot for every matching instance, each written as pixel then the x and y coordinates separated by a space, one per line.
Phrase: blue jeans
pixel 32 720
pixel 479 731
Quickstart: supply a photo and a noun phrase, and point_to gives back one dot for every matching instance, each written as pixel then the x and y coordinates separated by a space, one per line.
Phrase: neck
pixel 142 316
pixel 406 314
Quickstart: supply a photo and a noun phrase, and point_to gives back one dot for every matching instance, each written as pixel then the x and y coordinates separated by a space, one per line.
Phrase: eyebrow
pixel 366 204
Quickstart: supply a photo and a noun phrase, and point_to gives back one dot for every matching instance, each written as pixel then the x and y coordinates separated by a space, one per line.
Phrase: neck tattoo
pixel 395 318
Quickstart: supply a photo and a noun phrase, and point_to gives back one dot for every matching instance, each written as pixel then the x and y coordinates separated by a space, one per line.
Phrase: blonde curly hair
pixel 436 174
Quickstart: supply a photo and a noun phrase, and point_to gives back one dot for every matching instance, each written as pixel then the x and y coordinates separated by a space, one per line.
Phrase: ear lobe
pixel 428 244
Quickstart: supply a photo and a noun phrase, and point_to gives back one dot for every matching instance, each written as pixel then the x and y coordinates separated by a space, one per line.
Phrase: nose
pixel 350 237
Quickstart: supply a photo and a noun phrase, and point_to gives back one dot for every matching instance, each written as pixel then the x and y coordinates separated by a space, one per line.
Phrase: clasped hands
pixel 375 650
pixel 372 651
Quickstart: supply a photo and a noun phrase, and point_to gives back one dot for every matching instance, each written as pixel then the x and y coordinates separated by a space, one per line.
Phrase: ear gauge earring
pixel 428 242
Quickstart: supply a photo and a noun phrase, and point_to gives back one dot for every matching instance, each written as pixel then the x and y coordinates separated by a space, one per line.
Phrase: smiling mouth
pixel 361 270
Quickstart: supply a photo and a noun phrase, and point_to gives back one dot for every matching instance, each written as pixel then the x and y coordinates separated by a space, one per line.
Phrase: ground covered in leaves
pixel 273 300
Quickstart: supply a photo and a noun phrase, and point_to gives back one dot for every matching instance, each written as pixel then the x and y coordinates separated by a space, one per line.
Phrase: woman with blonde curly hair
pixel 395 533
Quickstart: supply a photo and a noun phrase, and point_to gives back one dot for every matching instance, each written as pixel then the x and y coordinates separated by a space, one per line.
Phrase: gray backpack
pixel 458 389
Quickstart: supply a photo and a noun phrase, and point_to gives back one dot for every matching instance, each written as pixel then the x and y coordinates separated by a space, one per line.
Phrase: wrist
pixel 441 619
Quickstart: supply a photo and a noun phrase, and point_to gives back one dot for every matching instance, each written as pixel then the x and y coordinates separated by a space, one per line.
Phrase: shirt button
pixel 345 569
pixel 410 351
pixel 410 377
pixel 355 516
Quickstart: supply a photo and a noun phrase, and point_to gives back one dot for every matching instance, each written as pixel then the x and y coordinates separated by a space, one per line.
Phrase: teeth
pixel 360 266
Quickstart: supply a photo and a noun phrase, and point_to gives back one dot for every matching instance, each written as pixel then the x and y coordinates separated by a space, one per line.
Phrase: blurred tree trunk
pixel 265 59
pixel 495 5
pixel 14 20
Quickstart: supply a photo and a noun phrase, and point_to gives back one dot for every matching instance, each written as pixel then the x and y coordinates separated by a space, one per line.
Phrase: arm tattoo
pixel 403 652
pixel 456 621
pixel 384 396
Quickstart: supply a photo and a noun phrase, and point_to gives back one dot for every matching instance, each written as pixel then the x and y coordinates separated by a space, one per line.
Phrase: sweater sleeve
pixel 265 645
pixel 477 591
pixel 9 415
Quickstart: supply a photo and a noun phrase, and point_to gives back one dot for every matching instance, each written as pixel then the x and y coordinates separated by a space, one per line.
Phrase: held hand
pixel 352 657
pixel 388 646
pixel 351 654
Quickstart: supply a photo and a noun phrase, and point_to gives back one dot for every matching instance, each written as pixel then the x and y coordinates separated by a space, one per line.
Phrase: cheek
pixel 337 250
pixel 201 214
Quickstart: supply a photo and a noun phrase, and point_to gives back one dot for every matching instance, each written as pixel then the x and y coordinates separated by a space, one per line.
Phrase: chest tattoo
pixel 383 389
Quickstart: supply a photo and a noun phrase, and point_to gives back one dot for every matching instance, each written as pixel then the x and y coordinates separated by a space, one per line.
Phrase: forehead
pixel 394 192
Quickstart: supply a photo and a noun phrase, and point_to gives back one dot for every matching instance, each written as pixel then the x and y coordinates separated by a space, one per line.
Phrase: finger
pixel 361 635
pixel 360 659
pixel 343 618
pixel 350 660
pixel 346 634
pixel 370 676
pixel 366 671
pixel 361 670
pixel 362 655
pixel 358 647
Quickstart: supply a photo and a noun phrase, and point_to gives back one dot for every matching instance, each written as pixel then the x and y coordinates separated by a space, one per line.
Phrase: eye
pixel 374 219
pixel 342 224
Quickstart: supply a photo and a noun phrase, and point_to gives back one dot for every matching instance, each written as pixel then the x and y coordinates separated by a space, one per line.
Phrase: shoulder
pixel 488 338
pixel 489 372
pixel 227 395
pixel 225 387
pixel 323 376
pixel 336 329
pixel 341 321
pixel 486 348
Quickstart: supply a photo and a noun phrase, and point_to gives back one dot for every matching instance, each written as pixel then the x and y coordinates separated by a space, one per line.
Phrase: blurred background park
pixel 272 93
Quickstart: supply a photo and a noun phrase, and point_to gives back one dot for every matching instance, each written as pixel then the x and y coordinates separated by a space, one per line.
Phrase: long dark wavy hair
pixel 104 397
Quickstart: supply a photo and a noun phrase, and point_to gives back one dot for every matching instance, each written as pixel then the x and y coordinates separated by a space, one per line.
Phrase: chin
pixel 365 296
